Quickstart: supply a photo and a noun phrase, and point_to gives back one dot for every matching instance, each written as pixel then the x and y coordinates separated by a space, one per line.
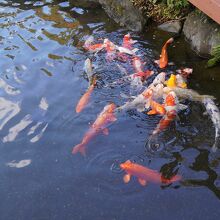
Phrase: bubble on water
pixel 154 144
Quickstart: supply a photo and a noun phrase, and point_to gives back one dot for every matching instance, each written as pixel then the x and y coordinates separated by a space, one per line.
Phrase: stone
pixel 85 3
pixel 202 32
pixel 124 13
pixel 171 26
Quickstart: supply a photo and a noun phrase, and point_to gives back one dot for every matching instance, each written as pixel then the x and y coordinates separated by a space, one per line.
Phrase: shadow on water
pixel 41 81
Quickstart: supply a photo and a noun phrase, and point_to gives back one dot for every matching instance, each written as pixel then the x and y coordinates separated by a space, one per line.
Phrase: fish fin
pixel 128 161
pixel 79 148
pixel 152 112
pixel 142 182
pixel 105 131
pixel 127 178
pixel 113 118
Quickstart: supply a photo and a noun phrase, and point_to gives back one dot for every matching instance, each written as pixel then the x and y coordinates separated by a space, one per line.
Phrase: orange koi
pixel 99 126
pixel 156 108
pixel 171 112
pixel 163 62
pixel 84 100
pixel 111 50
pixel 145 174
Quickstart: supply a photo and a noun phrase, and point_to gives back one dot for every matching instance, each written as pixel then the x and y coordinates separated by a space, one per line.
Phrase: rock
pixel 171 26
pixel 85 3
pixel 124 13
pixel 202 32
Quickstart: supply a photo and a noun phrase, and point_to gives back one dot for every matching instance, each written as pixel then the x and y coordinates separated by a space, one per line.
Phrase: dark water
pixel 40 83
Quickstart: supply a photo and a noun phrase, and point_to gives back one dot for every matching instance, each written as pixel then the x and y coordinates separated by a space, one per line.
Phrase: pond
pixel 41 81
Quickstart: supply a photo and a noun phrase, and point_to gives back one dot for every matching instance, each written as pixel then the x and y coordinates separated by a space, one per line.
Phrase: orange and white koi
pixel 145 174
pixel 128 42
pixel 156 108
pixel 84 100
pixel 163 62
pixel 105 118
pixel 111 50
pixel 171 112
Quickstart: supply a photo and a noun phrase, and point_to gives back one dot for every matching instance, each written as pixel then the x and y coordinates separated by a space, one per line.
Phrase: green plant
pixel 216 56
pixel 178 4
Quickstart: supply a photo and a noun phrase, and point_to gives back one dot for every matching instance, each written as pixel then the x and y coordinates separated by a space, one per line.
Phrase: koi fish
pixel 145 174
pixel 171 82
pixel 137 64
pixel 128 42
pixel 127 51
pixel 84 100
pixel 111 50
pixel 187 94
pixel 105 118
pixel 181 82
pixel 171 112
pixel 163 62
pixel 143 75
pixel 156 108
pixel 214 114
pixel 159 79
pixel 185 72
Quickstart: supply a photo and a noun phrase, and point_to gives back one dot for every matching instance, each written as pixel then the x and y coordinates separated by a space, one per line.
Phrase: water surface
pixel 41 81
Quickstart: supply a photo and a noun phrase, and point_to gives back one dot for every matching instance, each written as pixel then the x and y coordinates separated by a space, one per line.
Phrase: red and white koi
pixel 128 42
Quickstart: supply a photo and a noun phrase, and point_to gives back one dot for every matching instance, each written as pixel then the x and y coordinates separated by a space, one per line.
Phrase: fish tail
pixel 79 148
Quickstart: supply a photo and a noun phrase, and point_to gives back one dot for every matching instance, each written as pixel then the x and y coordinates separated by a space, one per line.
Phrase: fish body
pixel 84 100
pixel 88 69
pixel 143 75
pixel 106 117
pixel 137 64
pixel 171 82
pixel 163 62
pixel 144 174
pixel 111 50
pixel 181 81
pixel 185 72
pixel 94 48
pixel 159 79
pixel 126 50
pixel 156 108
pixel 128 42
pixel 214 114
pixel 171 112
pixel 187 94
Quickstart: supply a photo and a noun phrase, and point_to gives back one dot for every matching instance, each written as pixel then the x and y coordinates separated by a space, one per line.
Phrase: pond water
pixel 41 82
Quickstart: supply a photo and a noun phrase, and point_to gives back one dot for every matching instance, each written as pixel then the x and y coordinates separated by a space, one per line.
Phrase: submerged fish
pixel 137 64
pixel 105 118
pixel 128 42
pixel 171 112
pixel 159 79
pixel 88 69
pixel 88 41
pixel 163 62
pixel 84 100
pixel 111 50
pixel 214 114
pixel 187 94
pixel 145 174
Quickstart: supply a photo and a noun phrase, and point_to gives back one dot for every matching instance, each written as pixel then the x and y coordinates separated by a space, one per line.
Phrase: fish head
pixel 127 37
pixel 126 165
pixel 171 82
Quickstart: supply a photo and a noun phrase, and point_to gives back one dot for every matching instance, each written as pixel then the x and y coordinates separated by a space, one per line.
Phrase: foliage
pixel 174 4
pixel 216 56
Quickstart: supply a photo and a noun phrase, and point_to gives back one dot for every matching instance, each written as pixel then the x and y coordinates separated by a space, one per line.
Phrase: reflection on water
pixel 40 83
